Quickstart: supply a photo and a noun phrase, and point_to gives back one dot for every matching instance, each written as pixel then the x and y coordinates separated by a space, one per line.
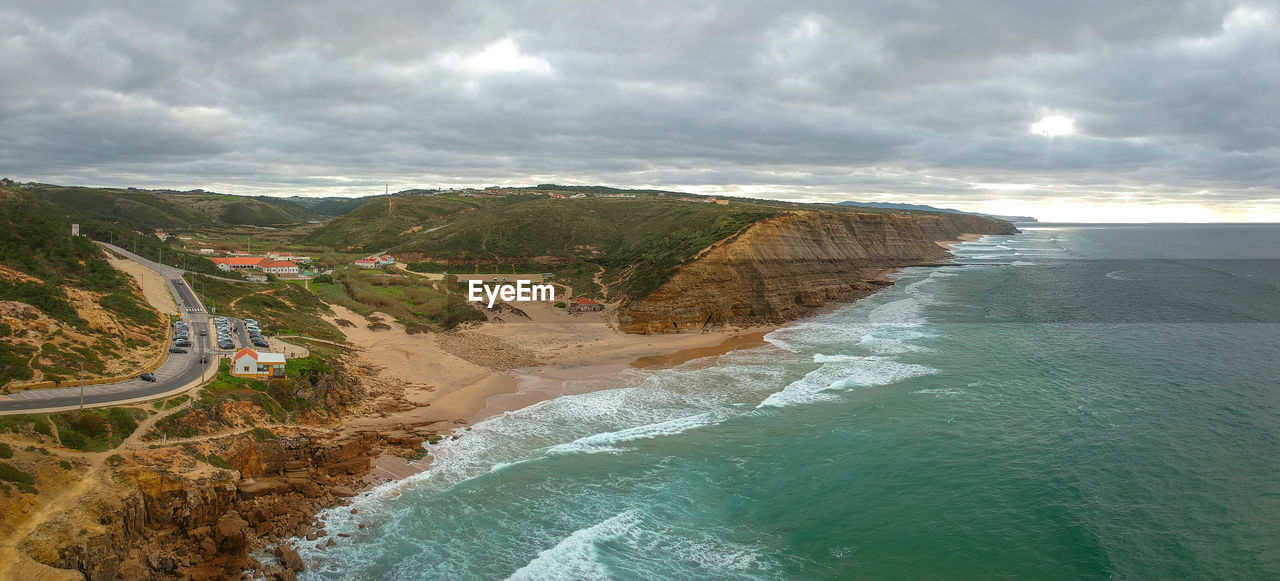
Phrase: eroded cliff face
pixel 784 268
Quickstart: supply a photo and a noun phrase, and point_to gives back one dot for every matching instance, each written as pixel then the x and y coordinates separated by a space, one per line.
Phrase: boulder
pixel 230 532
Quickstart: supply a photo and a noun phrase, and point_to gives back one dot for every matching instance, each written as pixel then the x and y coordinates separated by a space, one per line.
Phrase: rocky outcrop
pixel 168 515
pixel 786 267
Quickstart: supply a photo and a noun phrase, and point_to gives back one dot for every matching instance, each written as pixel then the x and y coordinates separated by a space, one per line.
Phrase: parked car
pixel 147 377
pixel 177 350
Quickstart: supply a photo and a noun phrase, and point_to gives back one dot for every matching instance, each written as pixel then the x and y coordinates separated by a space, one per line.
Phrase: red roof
pixel 252 261
pixel 584 301
pixel 245 351
pixel 239 261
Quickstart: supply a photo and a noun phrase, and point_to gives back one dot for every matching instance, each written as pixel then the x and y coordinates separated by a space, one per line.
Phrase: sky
pixel 1081 111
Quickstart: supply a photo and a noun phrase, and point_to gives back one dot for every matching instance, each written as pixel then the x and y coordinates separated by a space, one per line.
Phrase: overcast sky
pixel 1141 110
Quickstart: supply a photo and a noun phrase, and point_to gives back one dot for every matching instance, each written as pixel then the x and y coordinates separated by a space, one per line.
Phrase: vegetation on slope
pixel 380 222
pixel 640 242
pixel 414 302
pixel 282 308
pixel 90 430
pixel 147 209
pixel 42 263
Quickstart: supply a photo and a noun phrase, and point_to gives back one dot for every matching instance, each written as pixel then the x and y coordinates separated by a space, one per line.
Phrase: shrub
pixel 5 451
pixel 218 461
pixel 10 473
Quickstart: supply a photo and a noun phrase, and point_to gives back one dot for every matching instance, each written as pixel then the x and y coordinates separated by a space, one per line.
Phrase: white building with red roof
pixel 266 265
pixel 255 365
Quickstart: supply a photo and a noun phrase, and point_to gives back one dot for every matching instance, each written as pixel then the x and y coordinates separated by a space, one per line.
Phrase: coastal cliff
pixel 784 268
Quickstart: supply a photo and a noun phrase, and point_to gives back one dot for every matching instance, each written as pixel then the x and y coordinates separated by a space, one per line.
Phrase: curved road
pixel 178 373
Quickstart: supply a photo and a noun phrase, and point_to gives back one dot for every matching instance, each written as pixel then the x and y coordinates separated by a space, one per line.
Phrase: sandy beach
pixel 461 377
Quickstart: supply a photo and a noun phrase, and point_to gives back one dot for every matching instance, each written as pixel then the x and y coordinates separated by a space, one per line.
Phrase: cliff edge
pixel 786 267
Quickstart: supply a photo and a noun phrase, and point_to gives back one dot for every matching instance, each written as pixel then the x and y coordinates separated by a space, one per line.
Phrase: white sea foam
pixel 643 543
pixel 840 372
pixel 607 441
pixel 576 556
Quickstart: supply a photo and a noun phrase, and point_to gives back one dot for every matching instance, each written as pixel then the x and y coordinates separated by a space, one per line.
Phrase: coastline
pixel 572 357
pixel 566 367
pixel 411 388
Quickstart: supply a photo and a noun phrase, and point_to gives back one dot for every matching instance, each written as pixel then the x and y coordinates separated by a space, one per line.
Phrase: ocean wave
pixel 642 547
pixel 841 372
pixel 942 392
pixel 576 556
pixel 607 441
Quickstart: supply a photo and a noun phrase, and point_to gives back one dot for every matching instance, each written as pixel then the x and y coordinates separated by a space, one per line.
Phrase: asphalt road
pixel 177 371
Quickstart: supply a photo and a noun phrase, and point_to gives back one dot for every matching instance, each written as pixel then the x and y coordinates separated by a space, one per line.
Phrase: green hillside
pixel 639 242
pixel 381 222
pixel 147 209
pixel 42 263
pixel 328 206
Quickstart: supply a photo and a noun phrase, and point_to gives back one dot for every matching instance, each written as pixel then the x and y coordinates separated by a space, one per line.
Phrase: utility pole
pixel 81 387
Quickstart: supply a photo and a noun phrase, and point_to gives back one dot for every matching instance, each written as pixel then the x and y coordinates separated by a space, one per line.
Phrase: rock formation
pixel 784 268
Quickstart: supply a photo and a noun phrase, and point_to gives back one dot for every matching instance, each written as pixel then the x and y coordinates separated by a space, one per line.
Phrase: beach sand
pixel 432 382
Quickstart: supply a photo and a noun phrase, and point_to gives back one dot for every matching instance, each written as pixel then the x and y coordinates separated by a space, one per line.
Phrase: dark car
pixel 147 377
pixel 177 350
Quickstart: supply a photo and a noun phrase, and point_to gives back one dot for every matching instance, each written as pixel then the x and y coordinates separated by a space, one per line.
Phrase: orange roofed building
pixel 266 265
pixel 582 304
pixel 255 365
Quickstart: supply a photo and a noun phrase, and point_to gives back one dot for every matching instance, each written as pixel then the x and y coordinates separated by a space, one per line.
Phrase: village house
pixel 255 365
pixel 266 265
pixel 584 304
pixel 375 261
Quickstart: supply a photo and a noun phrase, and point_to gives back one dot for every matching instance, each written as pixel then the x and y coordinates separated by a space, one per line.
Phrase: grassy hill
pixel 639 241
pixel 164 209
pixel 381 222
pixel 86 311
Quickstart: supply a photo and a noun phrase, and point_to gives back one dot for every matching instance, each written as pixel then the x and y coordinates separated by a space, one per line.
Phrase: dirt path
pixel 604 289
pixel 65 500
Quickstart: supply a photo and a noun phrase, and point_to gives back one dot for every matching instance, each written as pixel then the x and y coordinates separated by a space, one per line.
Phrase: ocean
pixel 1075 402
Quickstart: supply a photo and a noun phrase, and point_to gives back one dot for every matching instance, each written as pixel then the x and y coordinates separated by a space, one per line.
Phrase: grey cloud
pixel 820 100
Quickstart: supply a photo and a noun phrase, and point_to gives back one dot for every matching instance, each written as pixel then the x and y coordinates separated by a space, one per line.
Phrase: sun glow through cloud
pixel 1054 125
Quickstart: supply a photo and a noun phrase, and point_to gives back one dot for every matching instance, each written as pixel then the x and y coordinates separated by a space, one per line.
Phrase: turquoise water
pixel 1071 403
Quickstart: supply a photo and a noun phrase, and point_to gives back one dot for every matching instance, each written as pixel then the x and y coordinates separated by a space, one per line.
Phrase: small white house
pixel 252 364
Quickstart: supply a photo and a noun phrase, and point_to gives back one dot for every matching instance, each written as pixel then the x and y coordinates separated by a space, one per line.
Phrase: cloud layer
pixel 1173 104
